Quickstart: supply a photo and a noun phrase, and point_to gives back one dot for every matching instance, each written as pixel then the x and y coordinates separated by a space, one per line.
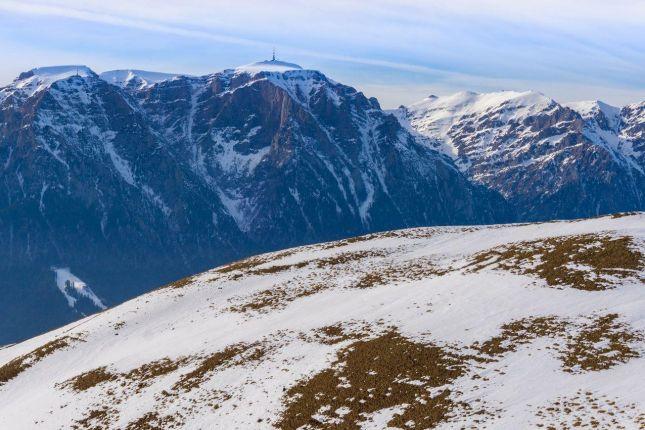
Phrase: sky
pixel 399 51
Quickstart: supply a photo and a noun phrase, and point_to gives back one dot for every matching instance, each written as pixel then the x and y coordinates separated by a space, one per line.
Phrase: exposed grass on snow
pixel 181 283
pixel 585 262
pixel 89 379
pixel 19 364
pixel 587 410
pixel 596 345
pixel 336 333
pixel 154 421
pixel 371 375
pixel 600 344
pixel 238 354
pixel 521 332
pixel 95 419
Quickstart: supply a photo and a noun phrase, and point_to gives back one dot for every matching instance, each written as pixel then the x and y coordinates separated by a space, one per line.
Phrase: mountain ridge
pixel 548 160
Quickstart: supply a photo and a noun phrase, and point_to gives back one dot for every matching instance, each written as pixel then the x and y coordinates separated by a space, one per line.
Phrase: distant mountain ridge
pixel 549 160
pixel 146 178
pixel 135 78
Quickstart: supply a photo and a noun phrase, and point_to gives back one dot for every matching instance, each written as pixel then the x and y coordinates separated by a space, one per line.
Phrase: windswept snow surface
pixel 233 341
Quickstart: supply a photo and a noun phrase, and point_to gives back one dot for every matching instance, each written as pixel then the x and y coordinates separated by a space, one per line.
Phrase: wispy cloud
pixel 103 18
pixel 479 44
pixel 174 29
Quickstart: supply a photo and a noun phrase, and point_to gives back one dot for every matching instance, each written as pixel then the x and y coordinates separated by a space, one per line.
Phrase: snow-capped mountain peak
pixel 468 102
pixel 55 73
pixel 128 78
pixel 38 79
pixel 517 142
pixel 436 115
pixel 591 109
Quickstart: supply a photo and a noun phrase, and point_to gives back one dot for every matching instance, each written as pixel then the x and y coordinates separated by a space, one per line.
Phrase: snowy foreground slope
pixel 505 327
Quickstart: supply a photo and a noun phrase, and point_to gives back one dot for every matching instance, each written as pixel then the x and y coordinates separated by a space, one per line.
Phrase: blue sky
pixel 399 51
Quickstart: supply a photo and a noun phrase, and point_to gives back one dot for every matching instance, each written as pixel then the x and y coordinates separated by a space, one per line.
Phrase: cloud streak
pixel 485 43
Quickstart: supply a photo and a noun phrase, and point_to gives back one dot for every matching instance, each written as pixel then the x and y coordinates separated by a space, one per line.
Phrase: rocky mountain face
pixel 113 186
pixel 425 328
pixel 548 160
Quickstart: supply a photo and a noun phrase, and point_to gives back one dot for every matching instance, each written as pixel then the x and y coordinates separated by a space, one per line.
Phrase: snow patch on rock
pixel 73 288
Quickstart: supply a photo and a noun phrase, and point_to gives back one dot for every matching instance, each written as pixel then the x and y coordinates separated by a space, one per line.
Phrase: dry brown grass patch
pixel 238 354
pixel 89 379
pixel 154 421
pixel 242 265
pixel 623 214
pixel 96 419
pixel 588 410
pixel 349 241
pixel 585 262
pixel 180 283
pixel 118 325
pixel 247 265
pixel 371 375
pixel 348 257
pixel 277 297
pixel 600 344
pixel 521 332
pixel 409 234
pixel 334 334
pixel 413 270
pixel 370 280
pixel 145 374
pixel 140 376
pixel 19 364
pixel 278 268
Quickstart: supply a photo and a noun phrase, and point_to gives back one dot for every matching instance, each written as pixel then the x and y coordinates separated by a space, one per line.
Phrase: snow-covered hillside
pixel 504 327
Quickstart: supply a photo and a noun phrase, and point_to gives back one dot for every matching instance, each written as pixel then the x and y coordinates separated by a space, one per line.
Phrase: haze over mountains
pixel 118 183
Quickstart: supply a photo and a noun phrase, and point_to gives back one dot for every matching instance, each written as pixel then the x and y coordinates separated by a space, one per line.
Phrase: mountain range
pixel 548 160
pixel 114 184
